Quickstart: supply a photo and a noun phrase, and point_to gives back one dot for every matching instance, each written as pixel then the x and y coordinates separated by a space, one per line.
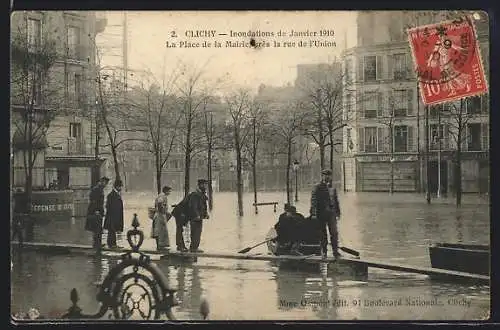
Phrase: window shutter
pixel 409 111
pixel 446 138
pixel 380 67
pixel 388 143
pixel 360 73
pixel 464 138
pixel 390 66
pixel 409 66
pixel 380 104
pixel 362 105
pixel 389 112
pixel 380 139
pixel 361 139
pixel 485 136
pixel 485 103
pixel 410 140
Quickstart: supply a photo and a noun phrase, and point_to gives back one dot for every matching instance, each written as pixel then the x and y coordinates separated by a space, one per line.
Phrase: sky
pixel 148 33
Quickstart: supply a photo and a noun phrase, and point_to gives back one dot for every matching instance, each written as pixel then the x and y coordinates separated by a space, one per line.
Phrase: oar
pixel 245 250
pixel 350 251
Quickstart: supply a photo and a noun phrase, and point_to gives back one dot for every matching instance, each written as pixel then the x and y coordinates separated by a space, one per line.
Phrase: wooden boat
pixel 469 258
pixel 310 249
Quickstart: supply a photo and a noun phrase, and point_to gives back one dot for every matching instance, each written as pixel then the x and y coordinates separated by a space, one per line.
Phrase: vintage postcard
pixel 250 165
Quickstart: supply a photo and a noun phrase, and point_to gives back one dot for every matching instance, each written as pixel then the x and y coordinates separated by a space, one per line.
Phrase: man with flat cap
pixel 325 209
pixel 95 211
pixel 197 210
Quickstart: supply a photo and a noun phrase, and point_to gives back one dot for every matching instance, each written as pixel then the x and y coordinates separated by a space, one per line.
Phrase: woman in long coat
pixel 161 215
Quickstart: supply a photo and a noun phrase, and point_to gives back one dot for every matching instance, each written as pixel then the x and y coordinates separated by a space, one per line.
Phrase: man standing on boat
pixel 197 211
pixel 325 209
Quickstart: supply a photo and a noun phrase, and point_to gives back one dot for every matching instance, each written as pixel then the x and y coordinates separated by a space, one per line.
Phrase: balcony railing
pixel 76 147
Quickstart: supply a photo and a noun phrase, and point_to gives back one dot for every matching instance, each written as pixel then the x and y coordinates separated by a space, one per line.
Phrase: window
pixel 371 104
pixel 485 133
pixel 78 91
pixel 348 107
pixel 370 139
pixel 437 109
pixel 370 68
pixel 401 138
pixel 349 138
pixel 474 137
pixel 436 133
pixel 34 33
pixel 75 130
pixel 399 66
pixel 73 42
pixel 34 93
pixel 400 103
pixel 473 105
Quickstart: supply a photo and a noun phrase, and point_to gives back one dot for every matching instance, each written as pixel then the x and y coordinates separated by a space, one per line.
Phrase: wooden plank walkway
pixel 432 272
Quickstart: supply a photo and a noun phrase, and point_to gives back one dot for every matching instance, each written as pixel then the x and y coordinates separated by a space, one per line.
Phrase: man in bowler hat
pixel 113 221
pixel 325 209
pixel 197 211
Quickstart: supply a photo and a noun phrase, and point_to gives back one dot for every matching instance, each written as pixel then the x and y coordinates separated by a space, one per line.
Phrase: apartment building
pixel 64 151
pixel 384 141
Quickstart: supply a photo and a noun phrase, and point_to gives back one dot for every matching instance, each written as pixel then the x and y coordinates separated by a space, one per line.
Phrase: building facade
pixel 384 142
pixel 65 159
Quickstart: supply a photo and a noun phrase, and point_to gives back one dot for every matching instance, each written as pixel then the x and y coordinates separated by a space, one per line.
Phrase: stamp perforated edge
pixel 477 50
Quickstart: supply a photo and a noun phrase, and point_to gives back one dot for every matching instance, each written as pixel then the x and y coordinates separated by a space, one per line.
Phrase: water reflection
pixel 397 228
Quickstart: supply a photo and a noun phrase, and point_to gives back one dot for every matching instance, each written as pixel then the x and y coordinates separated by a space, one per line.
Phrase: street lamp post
pixel 296 165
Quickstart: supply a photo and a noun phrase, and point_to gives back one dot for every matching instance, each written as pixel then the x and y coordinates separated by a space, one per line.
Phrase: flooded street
pixel 394 228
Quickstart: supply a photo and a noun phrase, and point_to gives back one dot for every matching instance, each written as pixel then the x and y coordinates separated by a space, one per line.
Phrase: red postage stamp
pixel 447 61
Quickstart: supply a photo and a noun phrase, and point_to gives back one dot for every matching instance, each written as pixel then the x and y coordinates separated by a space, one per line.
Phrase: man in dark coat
pixel 113 221
pixel 326 209
pixel 95 211
pixel 197 211
pixel 289 230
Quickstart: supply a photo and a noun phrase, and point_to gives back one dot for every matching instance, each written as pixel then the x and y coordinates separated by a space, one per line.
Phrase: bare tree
pixel 287 125
pixel 213 138
pixel 238 104
pixel 258 119
pixel 324 93
pixel 113 112
pixel 155 110
pixel 193 100
pixel 458 121
pixel 33 95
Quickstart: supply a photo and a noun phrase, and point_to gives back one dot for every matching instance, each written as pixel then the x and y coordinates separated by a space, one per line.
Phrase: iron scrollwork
pixel 136 288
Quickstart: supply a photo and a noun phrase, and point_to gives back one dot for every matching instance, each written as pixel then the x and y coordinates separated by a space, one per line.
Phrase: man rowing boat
pixel 289 229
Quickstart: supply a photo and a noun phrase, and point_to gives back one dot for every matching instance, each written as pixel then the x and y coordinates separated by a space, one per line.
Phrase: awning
pixel 70 160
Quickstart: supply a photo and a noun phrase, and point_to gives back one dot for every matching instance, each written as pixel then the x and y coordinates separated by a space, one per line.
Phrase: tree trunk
pixel 288 165
pixel 115 162
pixel 239 182
pixel 187 160
pixel 254 165
pixel 158 172
pixel 428 175
pixel 458 158
pixel 209 175
pixel 322 155
pixel 331 151
pixel 391 137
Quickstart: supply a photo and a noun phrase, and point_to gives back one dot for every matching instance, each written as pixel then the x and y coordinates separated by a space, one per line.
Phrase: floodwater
pixel 393 228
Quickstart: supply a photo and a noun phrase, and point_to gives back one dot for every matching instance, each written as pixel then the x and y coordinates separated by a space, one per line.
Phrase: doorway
pixel 63 178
